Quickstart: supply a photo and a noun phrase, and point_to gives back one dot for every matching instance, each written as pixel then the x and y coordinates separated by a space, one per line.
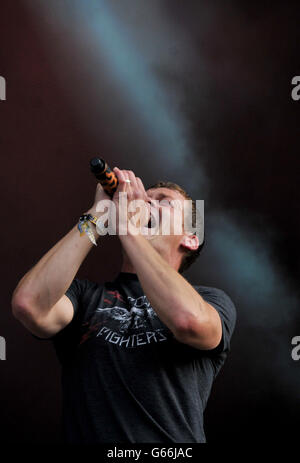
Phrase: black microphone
pixel 105 175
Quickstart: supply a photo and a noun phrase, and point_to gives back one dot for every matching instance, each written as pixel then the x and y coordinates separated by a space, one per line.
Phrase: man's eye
pixel 165 202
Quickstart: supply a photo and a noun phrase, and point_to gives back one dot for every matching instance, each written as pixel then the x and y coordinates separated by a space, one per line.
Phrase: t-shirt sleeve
pixel 75 293
pixel 227 312
pixel 66 340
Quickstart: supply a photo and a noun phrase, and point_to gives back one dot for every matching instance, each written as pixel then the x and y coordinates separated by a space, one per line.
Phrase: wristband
pixel 85 228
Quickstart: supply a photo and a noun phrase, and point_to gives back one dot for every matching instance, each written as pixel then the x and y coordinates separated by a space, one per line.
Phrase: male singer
pixel 139 354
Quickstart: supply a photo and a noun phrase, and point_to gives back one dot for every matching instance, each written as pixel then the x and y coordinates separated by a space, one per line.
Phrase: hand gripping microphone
pixel 105 175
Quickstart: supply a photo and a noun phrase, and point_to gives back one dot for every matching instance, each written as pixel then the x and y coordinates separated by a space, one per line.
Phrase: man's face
pixel 167 207
pixel 171 246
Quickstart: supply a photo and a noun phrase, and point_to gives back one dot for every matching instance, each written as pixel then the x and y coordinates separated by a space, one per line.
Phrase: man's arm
pixel 179 306
pixel 192 320
pixel 39 300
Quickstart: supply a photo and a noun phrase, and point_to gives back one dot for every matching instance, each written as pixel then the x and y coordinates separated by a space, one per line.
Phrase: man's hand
pixel 137 215
pixel 100 195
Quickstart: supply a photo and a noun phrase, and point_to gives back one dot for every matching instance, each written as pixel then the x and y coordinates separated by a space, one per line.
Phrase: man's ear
pixel 190 241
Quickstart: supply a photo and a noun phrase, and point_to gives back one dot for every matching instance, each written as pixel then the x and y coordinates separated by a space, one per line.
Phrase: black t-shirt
pixel 125 377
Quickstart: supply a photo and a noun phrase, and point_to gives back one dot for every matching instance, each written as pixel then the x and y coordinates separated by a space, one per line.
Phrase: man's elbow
pixel 188 327
pixel 21 306
pixel 201 334
pixel 22 310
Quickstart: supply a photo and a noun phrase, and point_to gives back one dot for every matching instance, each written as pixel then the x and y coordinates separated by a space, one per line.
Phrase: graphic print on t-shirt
pixel 135 318
pixel 128 323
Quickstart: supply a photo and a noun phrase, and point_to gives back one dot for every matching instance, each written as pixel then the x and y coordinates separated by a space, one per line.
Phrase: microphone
pixel 105 175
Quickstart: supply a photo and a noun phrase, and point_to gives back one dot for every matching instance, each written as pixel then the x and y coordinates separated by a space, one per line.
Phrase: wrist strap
pixel 85 228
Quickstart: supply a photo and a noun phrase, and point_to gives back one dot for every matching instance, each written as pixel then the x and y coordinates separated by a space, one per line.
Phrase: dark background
pixel 196 92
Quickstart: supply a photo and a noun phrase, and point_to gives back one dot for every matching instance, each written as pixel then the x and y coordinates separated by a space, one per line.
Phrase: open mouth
pixel 152 222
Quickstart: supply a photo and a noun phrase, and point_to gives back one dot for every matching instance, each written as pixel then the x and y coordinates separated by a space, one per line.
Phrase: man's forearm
pixel 44 284
pixel 172 297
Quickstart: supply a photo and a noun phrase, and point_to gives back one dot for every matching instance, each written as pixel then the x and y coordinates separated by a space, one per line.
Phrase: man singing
pixel 139 354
